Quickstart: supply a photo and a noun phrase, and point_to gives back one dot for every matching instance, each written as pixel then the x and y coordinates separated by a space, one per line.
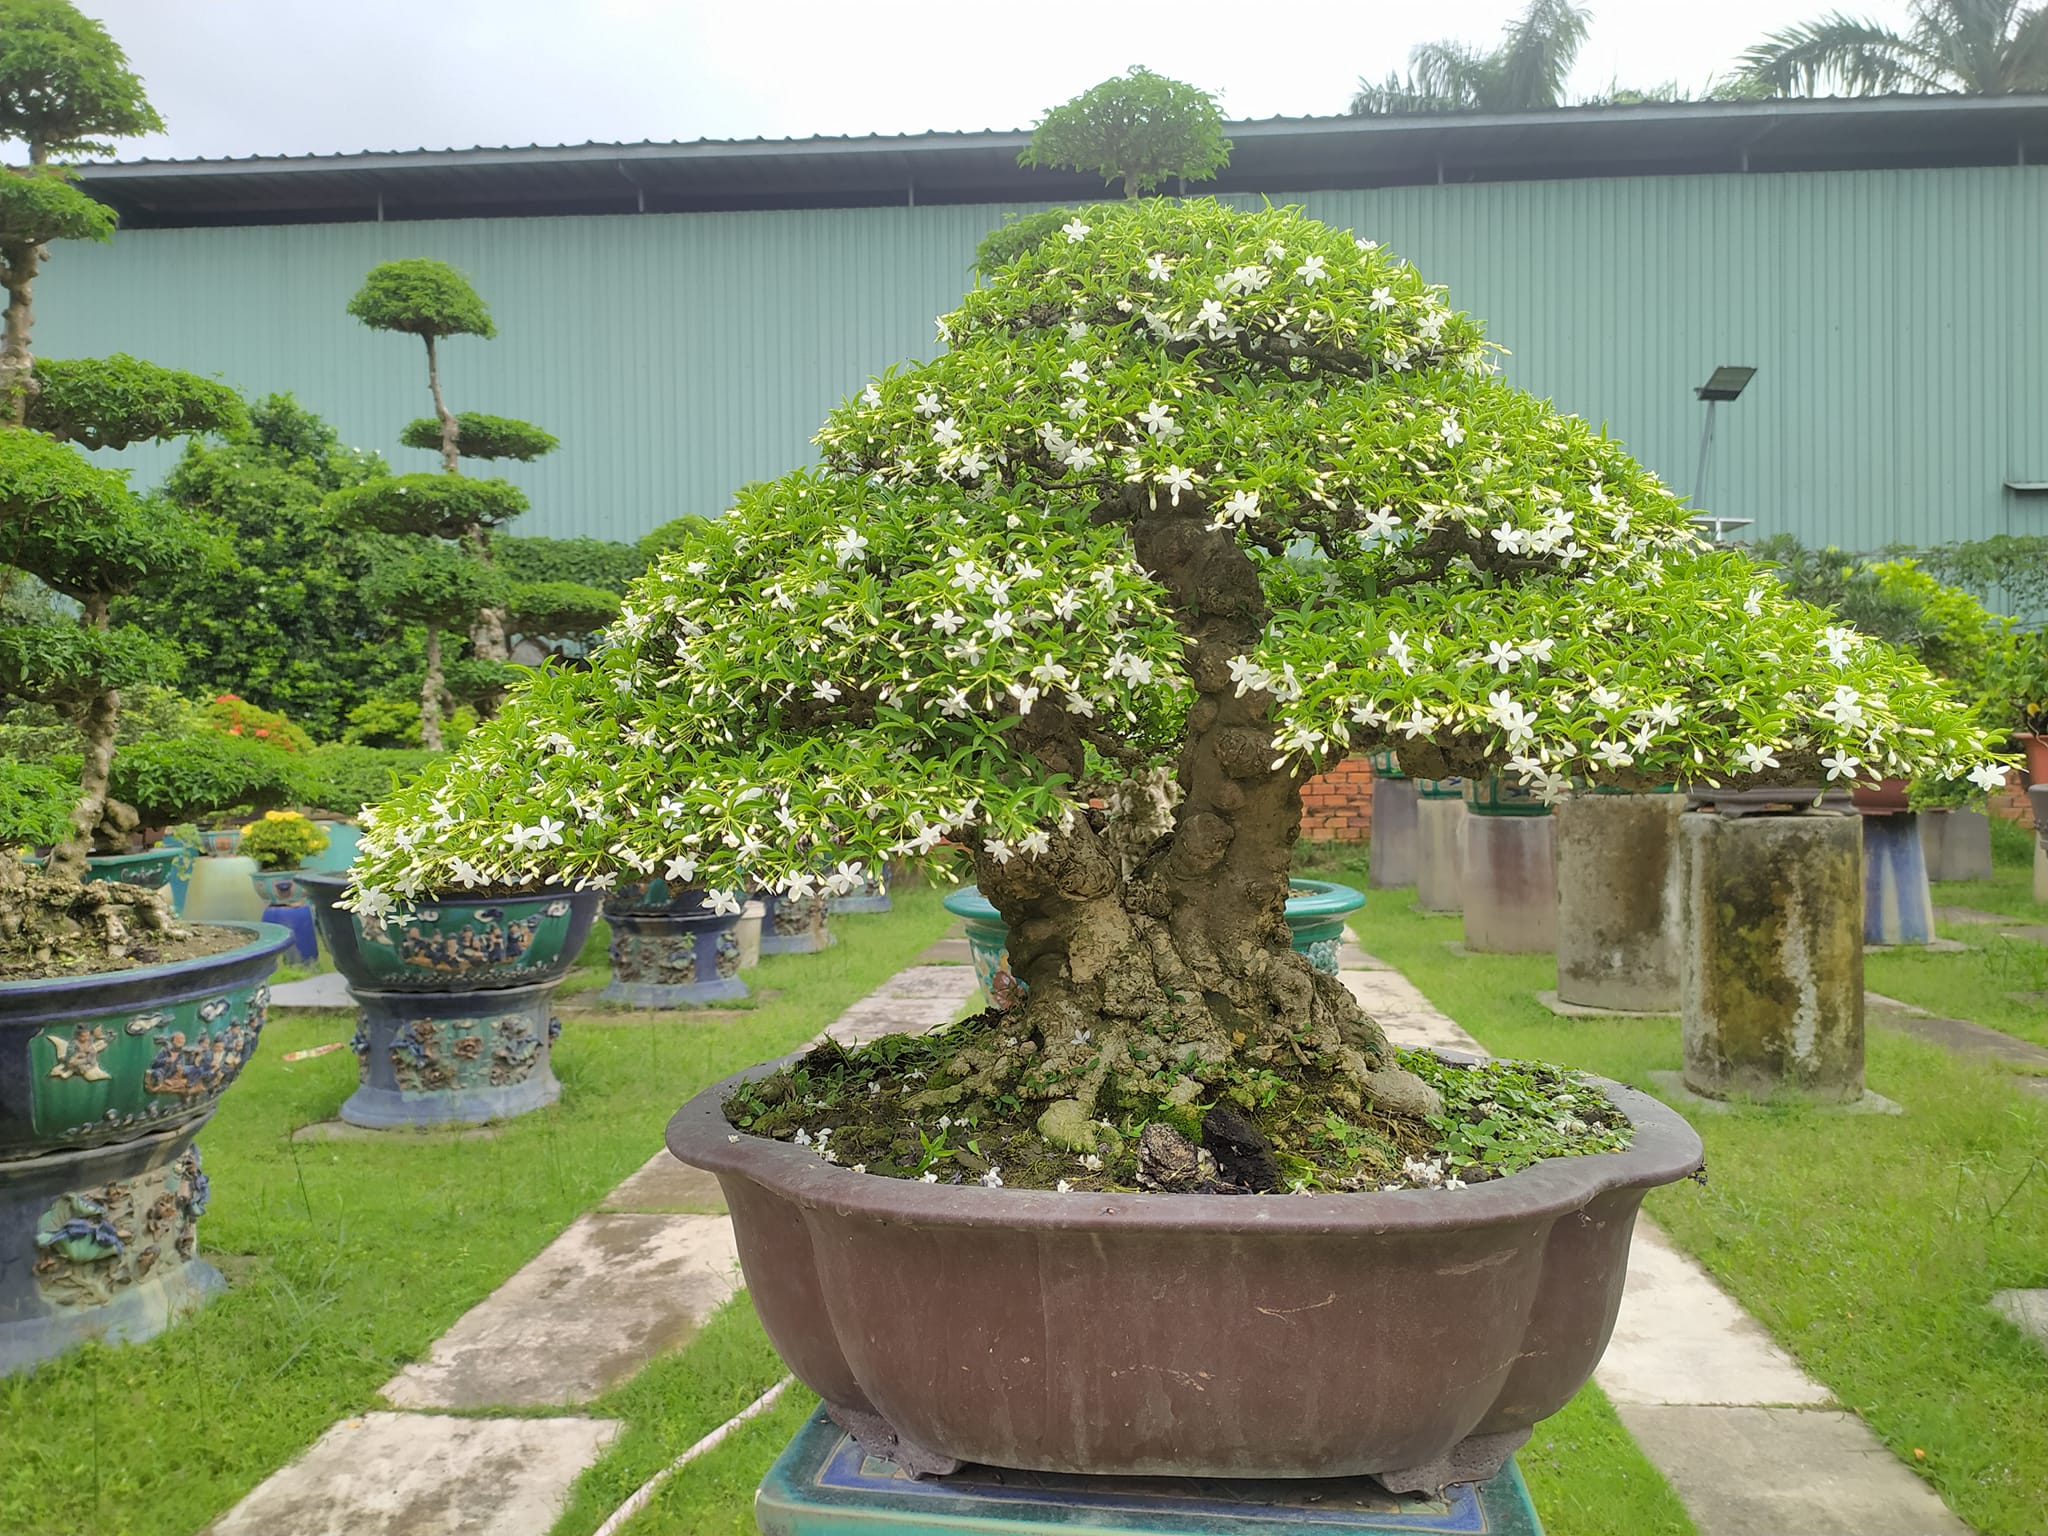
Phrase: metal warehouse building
pixel 683 315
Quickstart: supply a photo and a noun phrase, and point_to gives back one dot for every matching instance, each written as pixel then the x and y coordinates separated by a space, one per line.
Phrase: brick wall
pixel 1336 807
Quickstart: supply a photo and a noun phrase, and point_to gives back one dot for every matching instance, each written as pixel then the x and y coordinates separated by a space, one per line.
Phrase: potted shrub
pixel 1049 568
pixel 2021 688
pixel 120 1027
pixel 280 843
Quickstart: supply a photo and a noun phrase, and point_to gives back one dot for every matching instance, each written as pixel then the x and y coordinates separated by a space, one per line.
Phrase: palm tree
pixel 1976 47
pixel 1524 73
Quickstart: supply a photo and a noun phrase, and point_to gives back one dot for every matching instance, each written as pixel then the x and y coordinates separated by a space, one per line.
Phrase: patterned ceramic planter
pixel 89 1060
pixel 104 1081
pixel 454 943
pixel 100 1243
pixel 1440 789
pixel 669 949
pixel 452 1058
pixel 1315 915
pixel 1385 765
pixel 793 927
pixel 152 869
pixel 873 896
pixel 220 842
pixel 1496 796
pixel 281 888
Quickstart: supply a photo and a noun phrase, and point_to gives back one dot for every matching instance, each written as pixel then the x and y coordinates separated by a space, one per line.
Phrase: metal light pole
pixel 1727 383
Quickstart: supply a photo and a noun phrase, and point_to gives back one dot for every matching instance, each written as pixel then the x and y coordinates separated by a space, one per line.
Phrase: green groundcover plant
pixel 1046 599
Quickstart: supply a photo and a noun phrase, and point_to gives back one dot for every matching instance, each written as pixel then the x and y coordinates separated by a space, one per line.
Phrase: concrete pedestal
pixel 1956 844
pixel 1440 855
pixel 1510 884
pixel 2037 796
pixel 1395 833
pixel 1898 906
pixel 1617 902
pixel 1770 974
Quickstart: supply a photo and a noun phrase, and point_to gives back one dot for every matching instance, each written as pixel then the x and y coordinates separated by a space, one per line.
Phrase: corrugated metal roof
pixel 1280 154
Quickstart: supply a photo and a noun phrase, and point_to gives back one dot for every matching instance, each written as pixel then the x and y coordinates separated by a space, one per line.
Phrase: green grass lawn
pixel 349 1258
pixel 1867 1245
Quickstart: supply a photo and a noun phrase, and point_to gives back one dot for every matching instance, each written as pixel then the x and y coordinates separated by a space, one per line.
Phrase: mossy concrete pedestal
pixel 1617 902
pixel 1898 905
pixel 1956 844
pixel 1440 853
pixel 1392 842
pixel 1770 974
pixel 2038 797
pixel 1510 884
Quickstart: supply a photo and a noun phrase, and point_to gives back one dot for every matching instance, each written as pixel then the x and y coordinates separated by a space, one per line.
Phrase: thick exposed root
pixel 53 923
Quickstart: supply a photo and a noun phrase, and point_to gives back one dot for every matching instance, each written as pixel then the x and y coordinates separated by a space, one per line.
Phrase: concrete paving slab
pixel 665 1185
pixel 912 1002
pixel 2026 1311
pixel 2036 933
pixel 1410 1019
pixel 1672 1086
pixel 952 951
pixel 1565 1010
pixel 412 1474
pixel 1932 946
pixel 592 1308
pixel 1785 1472
pixel 1964 1037
pixel 1681 1339
pixel 1879 1000
pixel 1969 915
pixel 326 990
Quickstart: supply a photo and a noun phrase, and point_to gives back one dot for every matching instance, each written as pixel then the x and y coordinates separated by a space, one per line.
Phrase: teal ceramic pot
pixel 669 949
pixel 181 870
pixel 89 1060
pixel 1440 789
pixel 452 1058
pixel 281 887
pixel 1496 796
pixel 454 943
pixel 1315 916
pixel 220 842
pixel 152 869
pixel 1386 765
pixel 340 852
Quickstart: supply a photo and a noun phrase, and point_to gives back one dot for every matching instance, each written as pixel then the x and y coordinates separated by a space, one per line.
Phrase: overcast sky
pixel 245 77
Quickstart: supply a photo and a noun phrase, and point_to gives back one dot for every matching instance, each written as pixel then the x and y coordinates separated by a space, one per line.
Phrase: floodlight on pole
pixel 1727 383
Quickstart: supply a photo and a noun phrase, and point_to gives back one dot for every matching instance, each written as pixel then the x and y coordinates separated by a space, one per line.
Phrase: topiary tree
pixel 439 587
pixel 75 527
pixel 431 300
pixel 1136 128
pixel 1197 503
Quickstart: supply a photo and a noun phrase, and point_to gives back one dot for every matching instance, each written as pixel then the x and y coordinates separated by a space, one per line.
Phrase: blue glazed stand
pixel 824 1485
pixel 455 1058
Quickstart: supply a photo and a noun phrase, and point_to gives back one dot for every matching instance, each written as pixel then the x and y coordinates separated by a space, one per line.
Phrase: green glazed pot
pixel 1315 916
pixel 152 868
pixel 1496 796
pixel 451 943
pixel 1386 765
pixel 1440 789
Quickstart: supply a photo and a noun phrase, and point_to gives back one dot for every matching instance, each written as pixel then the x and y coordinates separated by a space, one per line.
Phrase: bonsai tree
pixel 441 587
pixel 74 526
pixel 1137 128
pixel 431 300
pixel 1198 502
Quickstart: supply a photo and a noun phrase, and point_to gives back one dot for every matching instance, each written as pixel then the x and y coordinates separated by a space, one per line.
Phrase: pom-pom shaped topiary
pixel 480 436
pixel 421 297
pixel 111 402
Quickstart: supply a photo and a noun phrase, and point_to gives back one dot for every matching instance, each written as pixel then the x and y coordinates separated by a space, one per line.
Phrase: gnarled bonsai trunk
pixel 96 720
pixel 1152 947
pixel 431 690
pixel 19 262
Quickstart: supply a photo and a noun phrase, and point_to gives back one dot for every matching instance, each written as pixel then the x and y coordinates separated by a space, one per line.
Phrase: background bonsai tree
pixel 449 516
pixel 1047 599
pixel 77 528
pixel 1137 128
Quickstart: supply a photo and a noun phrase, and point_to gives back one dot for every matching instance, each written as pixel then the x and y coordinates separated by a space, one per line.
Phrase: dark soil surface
pixel 882 1110
pixel 181 943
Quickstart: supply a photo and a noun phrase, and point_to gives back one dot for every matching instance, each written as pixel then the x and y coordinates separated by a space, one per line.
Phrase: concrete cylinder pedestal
pixel 1770 973
pixel 1510 886
pixel 1956 844
pixel 1617 901
pixel 1898 906
pixel 1392 855
pixel 1439 846
pixel 2037 796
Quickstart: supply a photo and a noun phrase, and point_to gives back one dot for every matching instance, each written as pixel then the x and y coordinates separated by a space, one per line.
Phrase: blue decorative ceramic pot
pixel 453 943
pixel 452 1058
pixel 873 896
pixel 669 949
pixel 793 926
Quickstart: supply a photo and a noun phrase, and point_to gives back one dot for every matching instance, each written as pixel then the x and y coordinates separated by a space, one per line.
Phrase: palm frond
pixel 1536 55
pixel 1860 58
pixel 2026 52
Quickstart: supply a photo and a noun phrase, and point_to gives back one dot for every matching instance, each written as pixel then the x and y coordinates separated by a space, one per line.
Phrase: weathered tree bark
pixel 95 720
pixel 450 458
pixel 1164 948
pixel 19 263
pixel 431 690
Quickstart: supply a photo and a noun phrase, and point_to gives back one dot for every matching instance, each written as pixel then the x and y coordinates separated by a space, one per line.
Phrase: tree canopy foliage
pixel 65 84
pixel 479 436
pixel 111 402
pixel 1138 129
pixel 421 297
pixel 1977 47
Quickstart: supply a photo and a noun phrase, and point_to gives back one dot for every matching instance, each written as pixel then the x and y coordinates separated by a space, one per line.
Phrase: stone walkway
pixel 1753 1446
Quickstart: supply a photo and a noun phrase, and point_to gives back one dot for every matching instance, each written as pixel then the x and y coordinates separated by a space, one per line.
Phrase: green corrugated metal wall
pixel 1898 319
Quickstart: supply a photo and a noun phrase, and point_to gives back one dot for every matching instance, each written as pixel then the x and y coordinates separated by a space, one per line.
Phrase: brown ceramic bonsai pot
pixel 1414 1335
